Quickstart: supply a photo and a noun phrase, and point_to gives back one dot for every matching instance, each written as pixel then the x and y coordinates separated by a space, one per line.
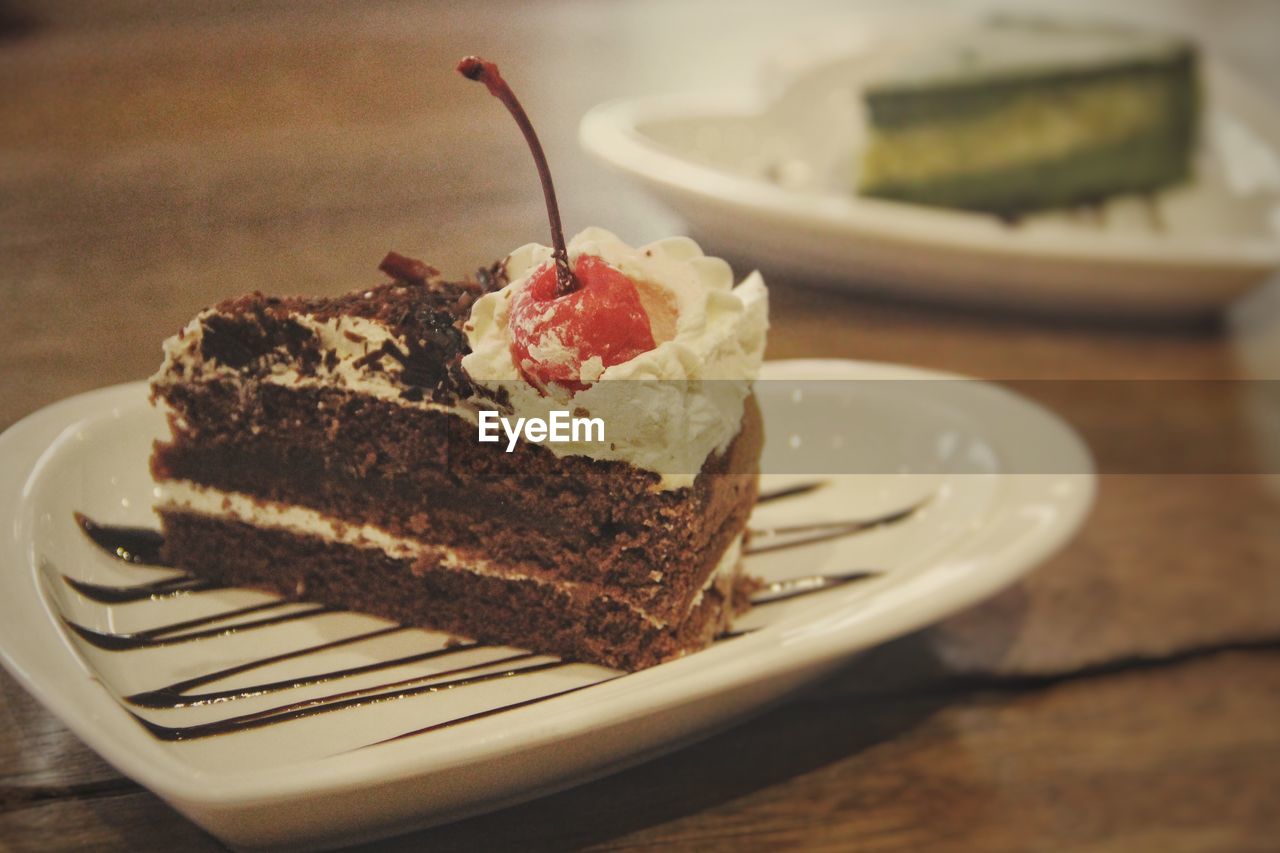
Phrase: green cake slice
pixel 1016 116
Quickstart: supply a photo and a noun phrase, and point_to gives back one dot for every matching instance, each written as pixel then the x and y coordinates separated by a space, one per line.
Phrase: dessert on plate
pixel 1015 115
pixel 330 448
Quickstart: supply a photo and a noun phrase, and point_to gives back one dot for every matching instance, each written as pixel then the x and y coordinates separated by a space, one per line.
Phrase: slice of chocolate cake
pixel 328 449
pixel 336 449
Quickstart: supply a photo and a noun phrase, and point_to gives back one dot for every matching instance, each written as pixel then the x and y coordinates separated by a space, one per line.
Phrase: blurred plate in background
pixel 766 176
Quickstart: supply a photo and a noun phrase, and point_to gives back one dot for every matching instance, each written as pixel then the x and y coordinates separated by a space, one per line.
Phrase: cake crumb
pixel 743 589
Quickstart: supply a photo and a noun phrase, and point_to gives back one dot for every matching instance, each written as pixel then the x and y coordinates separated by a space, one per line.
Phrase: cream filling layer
pixel 189 497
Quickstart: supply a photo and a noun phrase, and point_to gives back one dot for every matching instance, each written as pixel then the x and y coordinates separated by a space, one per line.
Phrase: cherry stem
pixel 483 71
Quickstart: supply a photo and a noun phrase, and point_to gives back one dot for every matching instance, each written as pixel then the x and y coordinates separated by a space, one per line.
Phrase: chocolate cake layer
pixel 421 473
pixel 554 619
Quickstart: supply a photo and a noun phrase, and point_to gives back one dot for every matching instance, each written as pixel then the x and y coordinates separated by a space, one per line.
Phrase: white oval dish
pixel 766 176
pixel 317 781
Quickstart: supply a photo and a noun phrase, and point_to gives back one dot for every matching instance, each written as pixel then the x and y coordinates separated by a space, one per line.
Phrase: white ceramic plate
pixel 765 175
pixel 323 778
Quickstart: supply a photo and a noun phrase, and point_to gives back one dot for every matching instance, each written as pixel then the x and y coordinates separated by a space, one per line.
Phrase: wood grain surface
pixel 155 158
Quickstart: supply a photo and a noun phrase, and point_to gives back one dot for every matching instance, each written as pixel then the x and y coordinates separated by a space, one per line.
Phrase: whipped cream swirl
pixel 686 396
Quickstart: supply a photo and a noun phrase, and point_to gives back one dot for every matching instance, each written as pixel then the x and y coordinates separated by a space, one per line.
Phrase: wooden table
pixel 1126 696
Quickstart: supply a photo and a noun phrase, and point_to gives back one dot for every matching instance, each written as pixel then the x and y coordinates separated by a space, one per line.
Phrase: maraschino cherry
pixel 565 317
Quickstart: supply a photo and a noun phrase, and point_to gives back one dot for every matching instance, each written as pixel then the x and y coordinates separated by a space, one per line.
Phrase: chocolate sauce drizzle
pixel 180 632
pixel 167 588
pixel 131 544
pixel 177 695
pixel 790 492
pixel 796 535
pixel 785 590
pixel 143 547
pixel 347 699
pixel 490 712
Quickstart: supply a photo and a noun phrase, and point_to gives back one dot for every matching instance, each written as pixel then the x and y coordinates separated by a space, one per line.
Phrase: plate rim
pixel 181 783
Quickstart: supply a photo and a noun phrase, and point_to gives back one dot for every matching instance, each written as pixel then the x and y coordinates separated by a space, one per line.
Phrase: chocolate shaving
pixel 408 270
pixel 492 277
pixel 424 314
